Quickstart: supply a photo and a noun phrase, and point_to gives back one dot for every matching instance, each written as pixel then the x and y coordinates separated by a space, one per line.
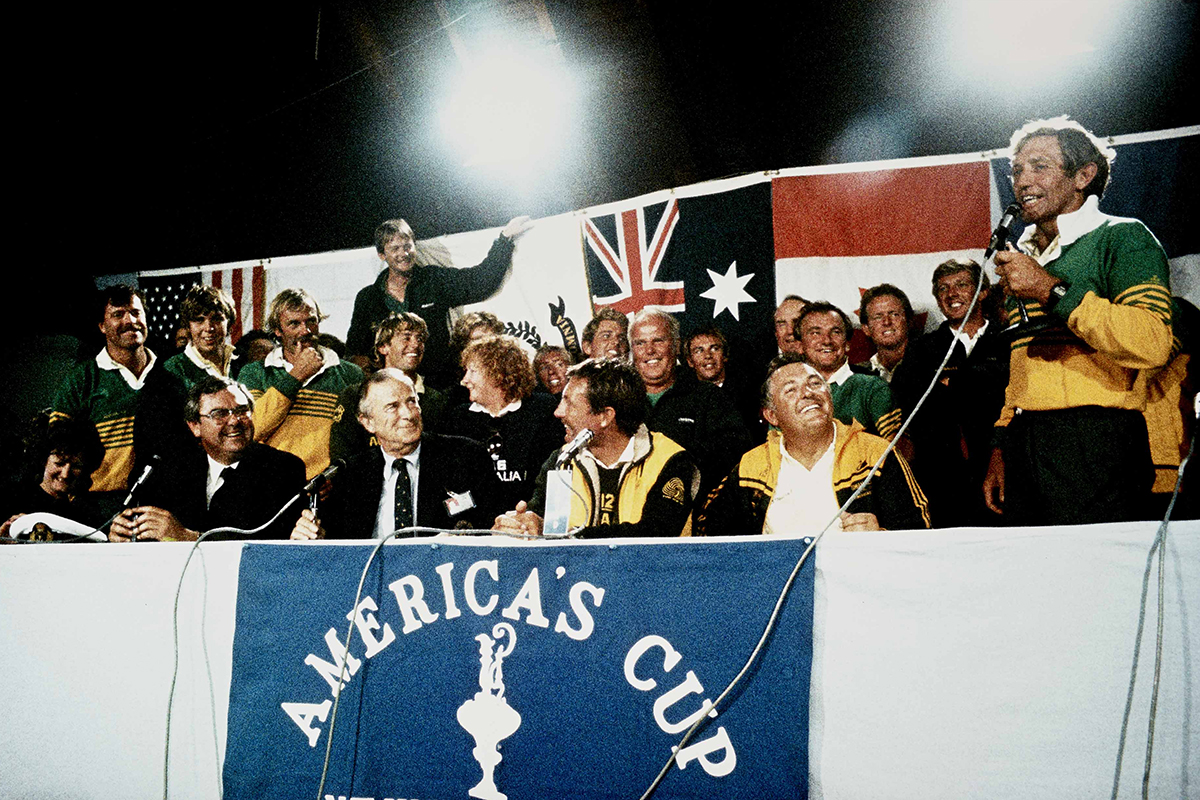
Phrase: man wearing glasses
pixel 229 481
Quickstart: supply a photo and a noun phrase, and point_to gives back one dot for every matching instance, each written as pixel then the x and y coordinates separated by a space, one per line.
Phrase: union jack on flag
pixel 632 260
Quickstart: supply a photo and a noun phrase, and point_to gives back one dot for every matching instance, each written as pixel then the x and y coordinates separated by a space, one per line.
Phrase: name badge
pixel 458 503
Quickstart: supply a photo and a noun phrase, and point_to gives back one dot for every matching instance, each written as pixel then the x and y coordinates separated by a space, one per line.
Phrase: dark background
pixel 198 133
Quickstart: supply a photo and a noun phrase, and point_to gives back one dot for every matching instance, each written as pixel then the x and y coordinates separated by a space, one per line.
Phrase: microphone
pixel 319 480
pixel 573 447
pixel 1000 235
pixel 154 459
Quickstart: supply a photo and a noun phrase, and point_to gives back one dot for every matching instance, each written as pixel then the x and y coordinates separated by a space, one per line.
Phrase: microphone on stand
pixel 313 487
pixel 149 468
pixel 573 447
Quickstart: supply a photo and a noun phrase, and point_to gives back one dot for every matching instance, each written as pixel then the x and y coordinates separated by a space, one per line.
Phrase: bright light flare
pixel 1025 41
pixel 510 109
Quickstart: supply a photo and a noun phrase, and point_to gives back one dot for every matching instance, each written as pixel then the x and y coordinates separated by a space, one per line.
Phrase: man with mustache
pixel 297 388
pixel 228 481
pixel 1071 444
pixel 809 467
pixel 134 405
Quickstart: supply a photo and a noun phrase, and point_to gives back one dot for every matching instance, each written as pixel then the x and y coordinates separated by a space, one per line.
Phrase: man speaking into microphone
pixel 1071 445
pixel 626 480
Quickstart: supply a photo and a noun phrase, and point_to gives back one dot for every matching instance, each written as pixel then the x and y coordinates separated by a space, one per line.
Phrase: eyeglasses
pixel 220 415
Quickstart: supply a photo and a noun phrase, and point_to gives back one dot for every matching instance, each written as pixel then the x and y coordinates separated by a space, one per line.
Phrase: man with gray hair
pixel 689 411
pixel 809 467
pixel 411 479
pixel 1071 444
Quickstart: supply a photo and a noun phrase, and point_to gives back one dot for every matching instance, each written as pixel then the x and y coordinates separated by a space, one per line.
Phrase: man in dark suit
pixel 411 479
pixel 229 481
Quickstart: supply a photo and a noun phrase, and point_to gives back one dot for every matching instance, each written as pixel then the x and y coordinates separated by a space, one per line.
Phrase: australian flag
pixel 709 260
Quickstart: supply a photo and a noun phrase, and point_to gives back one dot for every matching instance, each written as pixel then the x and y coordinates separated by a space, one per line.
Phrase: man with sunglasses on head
pixel 228 481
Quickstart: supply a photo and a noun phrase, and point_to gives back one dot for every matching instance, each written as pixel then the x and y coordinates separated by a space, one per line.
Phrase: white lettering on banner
pixel 690 685
pixel 330 671
pixel 366 623
pixel 586 623
pixel 344 797
pixel 409 602
pixel 444 571
pixel 302 714
pixel 493 569
pixel 376 634
pixel 530 598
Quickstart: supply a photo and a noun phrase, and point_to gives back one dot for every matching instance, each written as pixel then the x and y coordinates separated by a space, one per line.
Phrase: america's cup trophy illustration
pixel 487 716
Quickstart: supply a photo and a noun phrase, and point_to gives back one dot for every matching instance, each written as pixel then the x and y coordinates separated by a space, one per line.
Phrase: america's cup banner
pixel 519 671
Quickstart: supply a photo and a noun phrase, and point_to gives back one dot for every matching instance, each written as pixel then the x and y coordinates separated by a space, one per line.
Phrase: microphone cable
pixel 773 618
pixel 1158 546
pixel 175 625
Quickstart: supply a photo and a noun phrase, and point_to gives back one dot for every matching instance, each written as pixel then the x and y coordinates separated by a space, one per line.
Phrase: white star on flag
pixel 728 290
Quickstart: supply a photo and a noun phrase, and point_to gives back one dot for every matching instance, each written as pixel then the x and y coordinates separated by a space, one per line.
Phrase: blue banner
pixel 528 671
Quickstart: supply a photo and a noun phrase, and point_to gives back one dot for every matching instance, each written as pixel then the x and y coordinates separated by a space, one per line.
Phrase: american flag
pixel 163 295
pixel 164 292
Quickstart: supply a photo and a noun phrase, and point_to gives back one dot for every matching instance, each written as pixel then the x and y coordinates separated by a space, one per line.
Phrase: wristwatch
pixel 1057 292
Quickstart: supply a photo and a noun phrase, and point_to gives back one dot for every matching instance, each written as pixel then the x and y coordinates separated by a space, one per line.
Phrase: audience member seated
pixel 298 386
pixel 412 478
pixel 796 482
pixel 427 291
pixel 399 344
pixel 707 354
pixel 135 405
pixel 824 331
pixel 627 481
pixel 550 364
pixel 606 335
pixel 786 316
pixel 886 317
pixel 228 481
pixel 254 345
pixel 690 412
pixel 206 312
pixel 951 434
pixel 516 425
pixel 59 459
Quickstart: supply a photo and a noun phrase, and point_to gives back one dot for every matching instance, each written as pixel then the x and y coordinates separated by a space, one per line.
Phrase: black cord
pixel 773 619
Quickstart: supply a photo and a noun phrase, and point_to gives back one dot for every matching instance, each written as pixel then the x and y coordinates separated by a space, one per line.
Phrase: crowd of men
pixel 1076 415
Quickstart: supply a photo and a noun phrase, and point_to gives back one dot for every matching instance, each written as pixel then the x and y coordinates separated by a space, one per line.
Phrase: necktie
pixel 217 481
pixel 404 513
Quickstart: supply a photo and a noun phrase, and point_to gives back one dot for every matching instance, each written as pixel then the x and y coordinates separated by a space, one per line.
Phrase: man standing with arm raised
pixel 427 291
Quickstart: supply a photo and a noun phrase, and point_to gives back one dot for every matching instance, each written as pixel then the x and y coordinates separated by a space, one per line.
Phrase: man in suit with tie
pixel 228 481
pixel 411 479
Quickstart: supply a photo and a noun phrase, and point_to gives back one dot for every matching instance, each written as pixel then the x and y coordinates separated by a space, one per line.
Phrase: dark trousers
pixel 1076 466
